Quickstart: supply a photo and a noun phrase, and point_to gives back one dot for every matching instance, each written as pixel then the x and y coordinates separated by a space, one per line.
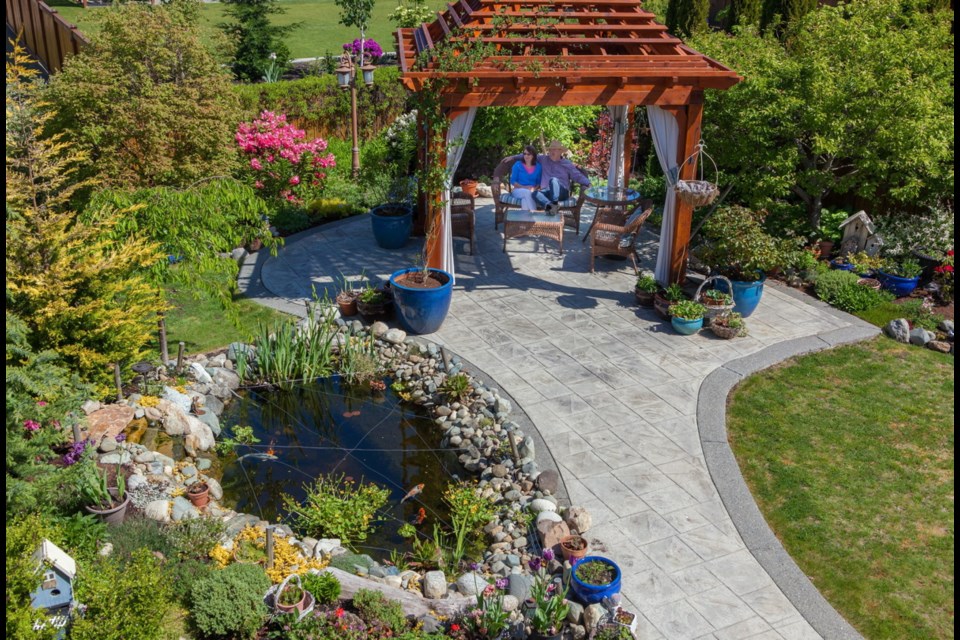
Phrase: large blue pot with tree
pixel 900 277
pixel 392 224
pixel 594 578
pixel 422 298
pixel 737 246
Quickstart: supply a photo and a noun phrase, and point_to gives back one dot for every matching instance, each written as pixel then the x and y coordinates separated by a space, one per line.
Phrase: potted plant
pixel 469 186
pixel 865 265
pixel 347 297
pixel 594 578
pixel 626 619
pixel 108 504
pixel 737 246
pixel 666 297
pixel 728 325
pixel 900 277
pixel 290 598
pixel 645 289
pixel 199 494
pixel 611 631
pixel 686 316
pixel 550 608
pixel 422 294
pixel 373 301
pixel 716 301
pixel 392 222
pixel 574 547
pixel 842 263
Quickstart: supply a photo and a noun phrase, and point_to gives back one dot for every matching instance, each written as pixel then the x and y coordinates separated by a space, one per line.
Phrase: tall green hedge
pixel 317 105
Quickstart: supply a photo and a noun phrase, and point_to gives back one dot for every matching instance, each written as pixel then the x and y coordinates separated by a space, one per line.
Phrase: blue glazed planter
pixel 746 295
pixel 900 287
pixel 686 327
pixel 842 266
pixel 422 310
pixel 591 593
pixel 391 231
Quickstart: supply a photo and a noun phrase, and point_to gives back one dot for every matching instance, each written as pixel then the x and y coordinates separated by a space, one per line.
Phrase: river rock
pixel 920 336
pixel 210 419
pixel 579 519
pixel 181 400
pixel 225 377
pixel 183 510
pixel 540 505
pixel 520 584
pixel 395 336
pixel 158 510
pixel 556 532
pixel 471 583
pixel 199 373
pixel 107 445
pixel 510 603
pixel 592 615
pixel 434 584
pixel 552 516
pixel 548 481
pixel 898 329
pixel 216 491
pixel 575 612
pixel 939 345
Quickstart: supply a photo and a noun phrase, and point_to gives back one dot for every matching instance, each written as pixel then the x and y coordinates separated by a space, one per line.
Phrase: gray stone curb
pixel 736 497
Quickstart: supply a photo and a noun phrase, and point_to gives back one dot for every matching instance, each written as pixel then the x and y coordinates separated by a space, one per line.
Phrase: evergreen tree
pixel 744 13
pixel 686 17
pixel 777 15
pixel 259 44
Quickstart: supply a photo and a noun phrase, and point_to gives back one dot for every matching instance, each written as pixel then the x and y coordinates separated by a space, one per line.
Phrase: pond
pixel 329 427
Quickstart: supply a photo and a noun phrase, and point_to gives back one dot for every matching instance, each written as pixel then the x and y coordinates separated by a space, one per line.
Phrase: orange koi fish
pixel 413 493
pixel 421 516
pixel 270 450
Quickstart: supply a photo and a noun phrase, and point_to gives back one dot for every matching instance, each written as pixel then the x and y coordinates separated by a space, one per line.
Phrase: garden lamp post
pixel 347 79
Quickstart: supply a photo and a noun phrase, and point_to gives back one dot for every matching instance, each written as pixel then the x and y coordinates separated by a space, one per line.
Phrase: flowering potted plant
pixel 199 494
pixel 347 297
pixel 109 504
pixel 488 619
pixel 550 607
pixel 292 598
pixel 574 547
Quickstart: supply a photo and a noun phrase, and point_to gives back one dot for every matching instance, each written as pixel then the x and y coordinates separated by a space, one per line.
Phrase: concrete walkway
pixel 632 412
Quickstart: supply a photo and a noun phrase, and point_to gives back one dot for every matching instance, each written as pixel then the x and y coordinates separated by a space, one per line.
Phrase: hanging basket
pixel 713 310
pixel 698 193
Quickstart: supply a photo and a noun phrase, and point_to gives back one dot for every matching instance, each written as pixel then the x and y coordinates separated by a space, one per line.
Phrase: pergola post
pixel 628 146
pixel 688 119
pixel 434 222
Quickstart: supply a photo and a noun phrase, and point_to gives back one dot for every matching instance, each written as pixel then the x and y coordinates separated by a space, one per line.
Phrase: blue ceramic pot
pixel 841 266
pixel 900 287
pixel 746 295
pixel 686 327
pixel 392 224
pixel 592 593
pixel 422 310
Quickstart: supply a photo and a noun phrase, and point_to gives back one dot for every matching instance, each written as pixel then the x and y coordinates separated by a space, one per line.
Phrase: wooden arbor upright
pixel 567 53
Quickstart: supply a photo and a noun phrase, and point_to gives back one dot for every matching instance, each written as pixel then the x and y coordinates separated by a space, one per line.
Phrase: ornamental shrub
pixel 282 166
pixel 377 611
pixel 324 586
pixel 370 48
pixel 230 602
pixel 737 245
pixel 840 289
pixel 338 507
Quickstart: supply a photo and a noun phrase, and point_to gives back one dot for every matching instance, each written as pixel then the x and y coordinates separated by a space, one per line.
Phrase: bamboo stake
pixel 117 381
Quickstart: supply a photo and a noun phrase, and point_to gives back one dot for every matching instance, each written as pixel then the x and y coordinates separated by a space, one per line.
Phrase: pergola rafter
pixel 567 53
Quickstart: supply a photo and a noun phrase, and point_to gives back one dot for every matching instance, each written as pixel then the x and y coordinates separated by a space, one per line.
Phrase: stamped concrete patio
pixel 631 411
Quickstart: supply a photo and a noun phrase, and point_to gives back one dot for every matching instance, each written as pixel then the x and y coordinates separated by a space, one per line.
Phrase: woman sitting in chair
pixel 525 178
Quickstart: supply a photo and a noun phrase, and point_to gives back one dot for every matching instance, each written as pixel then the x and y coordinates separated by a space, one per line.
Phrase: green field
pixel 319 34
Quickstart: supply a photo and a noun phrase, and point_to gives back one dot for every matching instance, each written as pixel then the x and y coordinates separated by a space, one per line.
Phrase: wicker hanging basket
pixel 698 193
pixel 713 310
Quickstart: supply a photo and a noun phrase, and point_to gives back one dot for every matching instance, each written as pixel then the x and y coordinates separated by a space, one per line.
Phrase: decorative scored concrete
pixel 614 392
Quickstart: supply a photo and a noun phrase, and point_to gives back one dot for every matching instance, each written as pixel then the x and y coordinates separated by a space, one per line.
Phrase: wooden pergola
pixel 567 53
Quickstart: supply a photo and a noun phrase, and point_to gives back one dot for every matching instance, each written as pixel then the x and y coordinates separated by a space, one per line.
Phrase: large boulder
pixel 108 422
pixel 898 329
pixel 434 584
pixel 579 519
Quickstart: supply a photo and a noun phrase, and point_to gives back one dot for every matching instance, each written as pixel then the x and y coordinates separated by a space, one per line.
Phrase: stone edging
pixel 736 497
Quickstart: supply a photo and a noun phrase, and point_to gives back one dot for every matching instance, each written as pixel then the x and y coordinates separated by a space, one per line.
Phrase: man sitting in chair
pixel 558 173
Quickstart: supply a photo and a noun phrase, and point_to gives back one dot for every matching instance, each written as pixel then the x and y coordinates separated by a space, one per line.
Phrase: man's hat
pixel 556 144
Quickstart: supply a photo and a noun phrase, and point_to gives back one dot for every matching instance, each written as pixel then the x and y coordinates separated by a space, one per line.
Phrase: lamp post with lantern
pixel 347 79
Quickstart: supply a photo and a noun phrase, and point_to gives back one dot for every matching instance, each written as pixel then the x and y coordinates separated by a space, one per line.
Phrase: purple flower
pixel 120 437
pixel 31 425
pixel 75 452
pixel 548 554
pixel 474 566
pixel 502 583
pixel 535 563
pixel 370 48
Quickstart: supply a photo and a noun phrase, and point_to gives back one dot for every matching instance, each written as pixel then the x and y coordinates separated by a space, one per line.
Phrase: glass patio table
pixel 610 200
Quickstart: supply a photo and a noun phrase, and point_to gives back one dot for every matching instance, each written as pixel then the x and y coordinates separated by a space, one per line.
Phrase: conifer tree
pixel 744 13
pixel 777 15
pixel 258 42
pixel 79 293
pixel 686 17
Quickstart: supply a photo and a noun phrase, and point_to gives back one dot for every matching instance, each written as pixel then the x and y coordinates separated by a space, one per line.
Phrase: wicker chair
pixel 615 234
pixel 463 217
pixel 503 201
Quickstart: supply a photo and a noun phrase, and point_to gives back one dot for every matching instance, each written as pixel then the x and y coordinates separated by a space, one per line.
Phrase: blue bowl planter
pixel 594 593
pixel 746 295
pixel 686 327
pixel 422 309
pixel 842 266
pixel 900 287
pixel 392 224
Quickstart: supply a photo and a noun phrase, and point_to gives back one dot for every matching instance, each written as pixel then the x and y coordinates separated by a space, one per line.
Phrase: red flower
pixel 950 253
pixel 454 627
pixel 339 612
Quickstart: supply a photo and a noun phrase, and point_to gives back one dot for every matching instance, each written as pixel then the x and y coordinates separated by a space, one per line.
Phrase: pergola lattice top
pixel 558 52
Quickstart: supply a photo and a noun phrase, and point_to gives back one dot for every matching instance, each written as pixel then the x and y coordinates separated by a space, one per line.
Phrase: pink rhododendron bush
pixel 282 164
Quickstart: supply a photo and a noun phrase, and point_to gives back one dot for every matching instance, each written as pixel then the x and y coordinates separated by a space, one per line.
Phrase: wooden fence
pixel 49 37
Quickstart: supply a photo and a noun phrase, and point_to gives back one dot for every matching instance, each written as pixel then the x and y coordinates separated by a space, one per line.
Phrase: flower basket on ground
pixel 728 326
pixel 717 302
pixel 288 597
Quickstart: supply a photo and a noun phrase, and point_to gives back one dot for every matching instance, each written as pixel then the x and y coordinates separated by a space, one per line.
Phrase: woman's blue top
pixel 519 175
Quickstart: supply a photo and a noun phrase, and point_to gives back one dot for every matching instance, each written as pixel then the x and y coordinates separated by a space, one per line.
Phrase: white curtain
pixel 615 174
pixel 457 136
pixel 666 135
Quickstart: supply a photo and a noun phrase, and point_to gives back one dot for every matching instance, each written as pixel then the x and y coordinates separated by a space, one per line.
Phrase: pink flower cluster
pixel 31 425
pixel 284 165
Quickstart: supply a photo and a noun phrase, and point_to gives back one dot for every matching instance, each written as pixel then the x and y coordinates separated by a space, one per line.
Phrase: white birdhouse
pixel 857 227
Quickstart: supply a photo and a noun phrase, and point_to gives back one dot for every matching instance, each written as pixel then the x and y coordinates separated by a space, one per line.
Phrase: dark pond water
pixel 330 427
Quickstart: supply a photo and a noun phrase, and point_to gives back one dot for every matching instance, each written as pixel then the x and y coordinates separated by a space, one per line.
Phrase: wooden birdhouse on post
pixel 54 594
pixel 859 234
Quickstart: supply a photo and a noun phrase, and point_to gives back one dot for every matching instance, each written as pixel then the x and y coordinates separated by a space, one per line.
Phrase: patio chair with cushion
pixel 616 235
pixel 463 217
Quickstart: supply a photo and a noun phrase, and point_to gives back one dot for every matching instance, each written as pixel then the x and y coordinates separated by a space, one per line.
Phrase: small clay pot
pixel 347 302
pixel 569 552
pixel 469 187
pixel 199 494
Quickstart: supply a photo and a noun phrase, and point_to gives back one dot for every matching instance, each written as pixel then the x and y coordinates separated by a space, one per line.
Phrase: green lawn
pixel 849 454
pixel 320 33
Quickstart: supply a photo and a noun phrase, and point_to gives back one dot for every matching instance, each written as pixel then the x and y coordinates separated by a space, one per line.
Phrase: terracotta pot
pixel 469 187
pixel 199 494
pixel 289 608
pixel 347 302
pixel 826 247
pixel 571 554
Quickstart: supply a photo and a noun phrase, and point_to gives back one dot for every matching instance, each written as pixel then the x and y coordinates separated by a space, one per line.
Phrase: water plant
pixel 336 506
pixel 288 353
pixel 468 512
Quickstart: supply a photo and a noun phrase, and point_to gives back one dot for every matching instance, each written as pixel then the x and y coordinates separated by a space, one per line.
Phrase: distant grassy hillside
pixel 320 33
